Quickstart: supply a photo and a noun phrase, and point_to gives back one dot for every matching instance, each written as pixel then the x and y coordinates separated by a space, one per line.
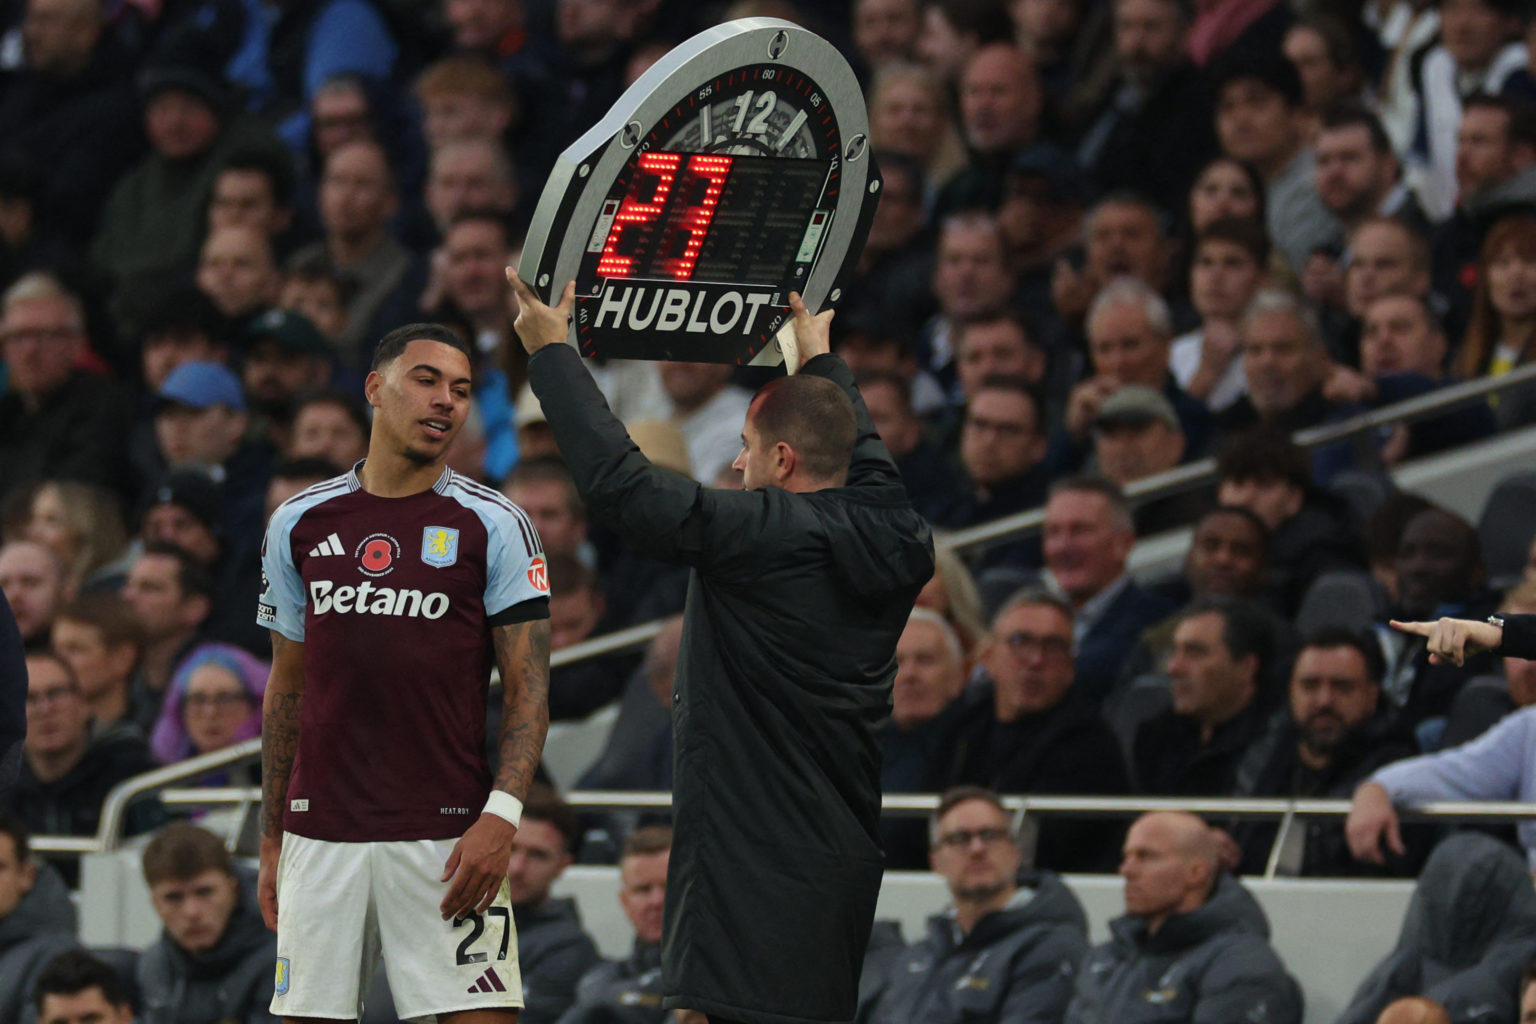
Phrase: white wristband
pixel 504 805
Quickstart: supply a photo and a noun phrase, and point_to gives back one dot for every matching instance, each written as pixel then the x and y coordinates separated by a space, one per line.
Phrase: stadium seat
pixel 1506 527
pixel 1347 598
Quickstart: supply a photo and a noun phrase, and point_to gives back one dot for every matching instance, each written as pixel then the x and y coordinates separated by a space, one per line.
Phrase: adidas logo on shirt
pixel 488 982
pixel 330 546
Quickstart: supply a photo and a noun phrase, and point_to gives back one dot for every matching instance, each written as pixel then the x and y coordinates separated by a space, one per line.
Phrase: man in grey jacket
pixel 1007 948
pixel 552 950
pixel 37 920
pixel 1193 945
pixel 214 958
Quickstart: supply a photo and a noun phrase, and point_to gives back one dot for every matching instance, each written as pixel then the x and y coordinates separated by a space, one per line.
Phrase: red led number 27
pixel 691 217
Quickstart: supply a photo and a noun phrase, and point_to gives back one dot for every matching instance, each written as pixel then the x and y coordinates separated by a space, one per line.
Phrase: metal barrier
pixel 247 799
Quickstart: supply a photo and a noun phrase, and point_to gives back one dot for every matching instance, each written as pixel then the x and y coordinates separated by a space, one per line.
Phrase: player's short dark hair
pixel 1519 113
pixel 890 379
pixel 647 840
pixel 567 575
pixel 109 615
pixel 1355 115
pixel 1245 629
pixel 182 851
pixel 1331 636
pixel 1104 487
pixel 1248 234
pixel 192 576
pixel 75 971
pixel 12 825
pixel 392 344
pixel 1263 453
pixel 544 804
pixel 814 417
pixel 272 163
pixel 954 797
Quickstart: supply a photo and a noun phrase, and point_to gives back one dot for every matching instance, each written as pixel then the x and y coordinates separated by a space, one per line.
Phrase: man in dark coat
pixel 37 919
pixel 214 958
pixel 1334 733
pixel 1193 944
pixel 801 585
pixel 1030 729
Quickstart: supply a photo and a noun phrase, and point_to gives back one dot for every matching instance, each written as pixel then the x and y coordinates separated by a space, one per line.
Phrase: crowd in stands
pixel 1115 237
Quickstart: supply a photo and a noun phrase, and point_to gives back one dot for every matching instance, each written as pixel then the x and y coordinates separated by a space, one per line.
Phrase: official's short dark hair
pixel 1269 68
pixel 814 417
pixel 13 826
pixel 182 851
pixel 1332 636
pixel 647 840
pixel 544 804
pixel 1247 234
pixel 76 971
pixel 954 797
pixel 1354 115
pixel 1245 629
pixel 1519 113
pixel 272 163
pixel 1263 453
pixel 1104 487
pixel 394 343
pixel 192 576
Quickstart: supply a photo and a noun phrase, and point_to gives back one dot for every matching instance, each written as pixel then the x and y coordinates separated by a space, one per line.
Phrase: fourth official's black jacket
pixel 794 607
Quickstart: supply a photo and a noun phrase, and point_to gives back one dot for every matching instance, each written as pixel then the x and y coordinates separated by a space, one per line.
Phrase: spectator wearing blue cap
pixel 56 420
pixel 201 420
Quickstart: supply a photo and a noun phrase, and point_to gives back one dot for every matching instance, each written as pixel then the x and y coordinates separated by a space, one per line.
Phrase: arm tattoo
pixel 522 656
pixel 279 737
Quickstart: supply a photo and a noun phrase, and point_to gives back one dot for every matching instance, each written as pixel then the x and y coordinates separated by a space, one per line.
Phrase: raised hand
pixel 538 325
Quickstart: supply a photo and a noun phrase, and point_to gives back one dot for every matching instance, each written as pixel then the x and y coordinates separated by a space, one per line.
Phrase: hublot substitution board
pixel 735 170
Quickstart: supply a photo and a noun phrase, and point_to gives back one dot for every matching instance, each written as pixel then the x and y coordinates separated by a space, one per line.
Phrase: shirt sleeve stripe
pixel 524 524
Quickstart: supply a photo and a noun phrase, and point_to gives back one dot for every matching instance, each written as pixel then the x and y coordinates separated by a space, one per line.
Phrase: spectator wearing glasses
pixel 1007 946
pixel 56 420
pixel 214 702
pixel 1026 728
pixel 65 774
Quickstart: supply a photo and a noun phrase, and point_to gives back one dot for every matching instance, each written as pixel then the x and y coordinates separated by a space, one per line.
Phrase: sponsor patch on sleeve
pixel 266 612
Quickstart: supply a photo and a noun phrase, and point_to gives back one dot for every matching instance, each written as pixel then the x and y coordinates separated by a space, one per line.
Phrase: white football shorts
pixel 341 905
